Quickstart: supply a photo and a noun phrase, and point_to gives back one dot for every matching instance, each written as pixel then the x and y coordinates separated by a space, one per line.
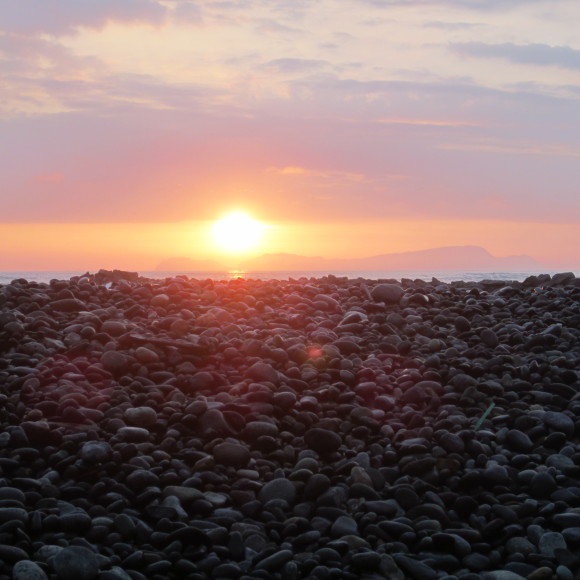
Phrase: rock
pixel 388 293
pixel 141 478
pixel 542 485
pixel 502 575
pixel 452 443
pixel 275 561
pixel 96 452
pixel 76 563
pixel 256 429
pixel 11 554
pixel 13 514
pixel 231 454
pixel 28 570
pixel 550 542
pixel 146 355
pixel 113 327
pixel 67 305
pixel 115 362
pixel 262 372
pixel 141 416
pixel 415 569
pixel 462 324
pixel 542 573
pixel 519 441
pixel 489 338
pixel 344 526
pixel 322 440
pixel 133 434
pixel 559 422
pixel 279 488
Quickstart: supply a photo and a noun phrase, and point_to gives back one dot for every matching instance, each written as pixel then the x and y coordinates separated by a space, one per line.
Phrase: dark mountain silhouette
pixel 460 258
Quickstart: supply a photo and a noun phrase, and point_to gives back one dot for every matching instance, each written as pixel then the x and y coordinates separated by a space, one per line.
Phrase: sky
pixel 349 128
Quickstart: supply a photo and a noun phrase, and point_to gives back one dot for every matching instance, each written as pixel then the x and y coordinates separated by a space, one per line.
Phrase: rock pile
pixel 326 428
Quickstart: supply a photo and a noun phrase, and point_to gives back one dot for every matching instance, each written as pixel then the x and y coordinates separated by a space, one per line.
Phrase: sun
pixel 237 232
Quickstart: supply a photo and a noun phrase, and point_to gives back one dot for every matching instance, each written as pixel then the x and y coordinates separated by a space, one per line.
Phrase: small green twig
pixel 484 417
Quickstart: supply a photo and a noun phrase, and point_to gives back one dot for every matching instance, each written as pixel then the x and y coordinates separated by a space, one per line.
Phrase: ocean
pixel 427 275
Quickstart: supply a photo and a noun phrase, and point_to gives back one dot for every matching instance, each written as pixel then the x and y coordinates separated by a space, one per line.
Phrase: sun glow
pixel 237 232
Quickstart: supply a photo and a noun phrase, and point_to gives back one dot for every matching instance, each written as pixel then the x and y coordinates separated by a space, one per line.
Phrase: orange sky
pixel 349 127
pixel 94 246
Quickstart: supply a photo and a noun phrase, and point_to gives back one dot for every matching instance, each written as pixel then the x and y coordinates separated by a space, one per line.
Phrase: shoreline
pixel 445 276
pixel 327 428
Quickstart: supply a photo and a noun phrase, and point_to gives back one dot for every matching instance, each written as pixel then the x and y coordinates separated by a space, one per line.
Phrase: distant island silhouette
pixel 448 258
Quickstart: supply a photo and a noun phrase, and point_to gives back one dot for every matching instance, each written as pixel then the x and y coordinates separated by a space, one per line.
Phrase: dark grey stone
pixel 76 563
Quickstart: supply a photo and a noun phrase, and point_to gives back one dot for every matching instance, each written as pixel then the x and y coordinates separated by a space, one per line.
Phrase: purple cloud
pixel 534 54
pixel 62 17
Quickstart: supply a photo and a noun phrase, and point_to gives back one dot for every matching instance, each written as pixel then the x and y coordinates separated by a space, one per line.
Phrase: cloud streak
pixel 530 54
pixel 65 17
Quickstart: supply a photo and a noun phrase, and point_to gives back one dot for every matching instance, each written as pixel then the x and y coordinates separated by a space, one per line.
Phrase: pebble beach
pixel 327 428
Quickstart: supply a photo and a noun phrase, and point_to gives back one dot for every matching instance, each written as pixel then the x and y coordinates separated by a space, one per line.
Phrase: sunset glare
pixel 354 127
pixel 237 232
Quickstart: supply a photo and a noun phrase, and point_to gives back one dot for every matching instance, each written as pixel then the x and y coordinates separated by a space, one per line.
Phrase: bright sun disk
pixel 237 232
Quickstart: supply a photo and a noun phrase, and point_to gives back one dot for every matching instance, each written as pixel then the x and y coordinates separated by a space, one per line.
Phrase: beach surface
pixel 315 428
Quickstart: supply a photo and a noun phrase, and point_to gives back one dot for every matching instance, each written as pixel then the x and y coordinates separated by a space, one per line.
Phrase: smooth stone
pixel 559 461
pixel 344 526
pixel 28 570
pixel 67 305
pixel 133 434
pixel 140 479
pixel 76 563
pixel 231 454
pixel 543 573
pixel 452 443
pixel 366 560
pixel 519 441
pixel 10 514
pixel 550 542
pixel 113 327
pixel 462 324
pixel 496 475
pixel 564 573
pixel 542 485
pixel 256 429
pixel 146 355
pixel 415 569
pixel 316 485
pixel 260 371
pixel 572 536
pixel 559 422
pixel 521 545
pixel 114 362
pixel 322 441
pixel 489 338
pixel 387 293
pixel 141 416
pixel 502 575
pixel 275 561
pixel 279 488
pixel 96 452
pixel 567 520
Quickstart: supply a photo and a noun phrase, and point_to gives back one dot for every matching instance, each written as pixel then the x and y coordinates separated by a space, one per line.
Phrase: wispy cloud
pixel 59 17
pixel 536 149
pixel 294 65
pixel 534 54
pixel 427 122
pixel 296 171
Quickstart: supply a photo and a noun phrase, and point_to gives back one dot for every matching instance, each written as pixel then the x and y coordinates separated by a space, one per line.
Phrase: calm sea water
pixel 444 276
